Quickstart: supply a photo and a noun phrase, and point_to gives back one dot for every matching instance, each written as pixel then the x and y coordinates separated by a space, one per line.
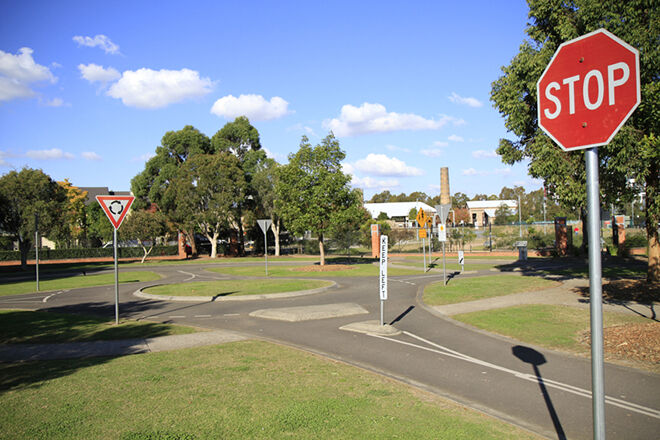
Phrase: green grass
pixel 235 287
pixel 242 390
pixel 356 270
pixel 608 271
pixel 557 327
pixel 23 327
pixel 75 282
pixel 472 289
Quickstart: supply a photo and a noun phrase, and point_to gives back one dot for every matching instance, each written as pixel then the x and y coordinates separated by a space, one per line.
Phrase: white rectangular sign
pixel 461 259
pixel 442 232
pixel 383 268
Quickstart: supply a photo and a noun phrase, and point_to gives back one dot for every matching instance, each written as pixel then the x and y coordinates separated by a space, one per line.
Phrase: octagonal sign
pixel 588 90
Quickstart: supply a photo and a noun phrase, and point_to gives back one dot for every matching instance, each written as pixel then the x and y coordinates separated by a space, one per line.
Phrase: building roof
pixel 396 209
pixel 93 191
pixel 486 204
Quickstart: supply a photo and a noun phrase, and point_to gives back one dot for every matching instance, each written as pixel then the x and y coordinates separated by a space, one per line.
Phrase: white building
pixel 398 211
pixel 481 211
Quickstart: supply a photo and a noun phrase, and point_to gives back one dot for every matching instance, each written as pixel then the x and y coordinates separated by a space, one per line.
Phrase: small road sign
pixel 442 232
pixel 461 258
pixel 115 207
pixel 383 268
pixel 588 90
pixel 422 232
pixel 421 218
pixel 264 224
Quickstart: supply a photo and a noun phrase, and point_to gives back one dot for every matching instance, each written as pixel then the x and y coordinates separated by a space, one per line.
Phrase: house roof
pixel 93 191
pixel 396 209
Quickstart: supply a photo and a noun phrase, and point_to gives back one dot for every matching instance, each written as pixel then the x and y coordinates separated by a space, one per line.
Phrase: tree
pixel 263 183
pixel 313 192
pixel 144 227
pixel 382 216
pixel 459 200
pixel 634 153
pixel 241 139
pixel 25 194
pixel 99 228
pixel 151 185
pixel 72 227
pixel 208 187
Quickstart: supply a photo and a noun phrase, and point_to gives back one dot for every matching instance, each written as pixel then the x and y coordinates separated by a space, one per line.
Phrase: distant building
pixel 93 191
pixel 481 211
pixel 398 211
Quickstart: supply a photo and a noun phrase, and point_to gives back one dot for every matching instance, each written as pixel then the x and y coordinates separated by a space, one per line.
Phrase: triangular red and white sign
pixel 115 207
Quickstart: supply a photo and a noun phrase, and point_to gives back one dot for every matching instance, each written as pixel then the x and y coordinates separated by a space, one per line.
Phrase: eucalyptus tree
pixel 634 153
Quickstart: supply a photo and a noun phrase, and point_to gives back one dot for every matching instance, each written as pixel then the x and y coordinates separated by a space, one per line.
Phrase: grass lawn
pixel 242 390
pixel 557 327
pixel 24 327
pixel 472 289
pixel 75 282
pixel 355 270
pixel 235 287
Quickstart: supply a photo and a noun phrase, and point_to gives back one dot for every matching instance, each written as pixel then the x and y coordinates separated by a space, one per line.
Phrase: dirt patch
pixel 633 342
pixel 326 268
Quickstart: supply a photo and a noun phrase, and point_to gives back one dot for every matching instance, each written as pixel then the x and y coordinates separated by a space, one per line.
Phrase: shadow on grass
pixel 626 292
pixel 220 295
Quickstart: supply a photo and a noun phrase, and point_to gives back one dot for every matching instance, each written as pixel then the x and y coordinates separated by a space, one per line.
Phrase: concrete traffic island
pixel 371 328
pixel 309 313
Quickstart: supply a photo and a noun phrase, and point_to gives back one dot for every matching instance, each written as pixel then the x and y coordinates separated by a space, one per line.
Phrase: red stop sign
pixel 589 89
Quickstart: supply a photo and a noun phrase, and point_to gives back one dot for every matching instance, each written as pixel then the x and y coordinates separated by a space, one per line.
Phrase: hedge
pixel 74 253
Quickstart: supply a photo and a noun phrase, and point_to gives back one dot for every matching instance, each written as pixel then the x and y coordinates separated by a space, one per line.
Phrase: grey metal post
pixel 36 246
pixel 382 322
pixel 266 249
pixel 116 279
pixel 424 253
pixel 595 294
pixel 444 266
pixel 519 217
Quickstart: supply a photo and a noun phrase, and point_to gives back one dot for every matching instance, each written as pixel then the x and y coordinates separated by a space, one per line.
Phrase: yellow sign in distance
pixel 421 218
pixel 422 233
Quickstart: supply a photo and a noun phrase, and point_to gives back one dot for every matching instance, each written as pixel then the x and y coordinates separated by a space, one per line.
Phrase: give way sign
pixel 115 207
pixel 588 90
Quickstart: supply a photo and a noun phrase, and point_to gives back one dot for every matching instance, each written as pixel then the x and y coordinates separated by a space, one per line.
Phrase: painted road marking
pixel 52 295
pixel 202 316
pixel 192 275
pixel 439 349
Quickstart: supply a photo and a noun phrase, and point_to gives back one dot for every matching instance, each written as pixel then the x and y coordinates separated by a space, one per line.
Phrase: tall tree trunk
pixel 652 219
pixel 321 249
pixel 276 233
pixel 191 239
pixel 24 247
pixel 241 239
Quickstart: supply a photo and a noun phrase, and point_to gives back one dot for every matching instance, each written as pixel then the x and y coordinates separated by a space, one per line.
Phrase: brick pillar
pixel 375 241
pixel 561 238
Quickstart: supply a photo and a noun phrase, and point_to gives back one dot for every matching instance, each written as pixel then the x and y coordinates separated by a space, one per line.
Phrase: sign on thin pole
pixel 116 208
pixel 264 225
pixel 382 279
pixel 586 93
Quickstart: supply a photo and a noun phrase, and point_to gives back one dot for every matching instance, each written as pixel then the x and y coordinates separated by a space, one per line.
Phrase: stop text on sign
pixel 588 90
pixel 591 78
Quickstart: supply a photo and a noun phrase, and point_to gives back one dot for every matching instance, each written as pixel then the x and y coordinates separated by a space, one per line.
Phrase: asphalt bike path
pixel 541 390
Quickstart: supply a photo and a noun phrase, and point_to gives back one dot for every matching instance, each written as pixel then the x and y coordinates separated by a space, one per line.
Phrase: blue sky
pixel 88 89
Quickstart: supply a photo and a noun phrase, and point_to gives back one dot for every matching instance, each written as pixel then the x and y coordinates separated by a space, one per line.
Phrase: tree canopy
pixel 634 153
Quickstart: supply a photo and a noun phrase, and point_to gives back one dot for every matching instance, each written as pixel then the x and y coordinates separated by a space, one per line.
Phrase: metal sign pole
pixel 444 265
pixel 36 246
pixel 424 253
pixel 595 293
pixel 116 279
pixel 266 249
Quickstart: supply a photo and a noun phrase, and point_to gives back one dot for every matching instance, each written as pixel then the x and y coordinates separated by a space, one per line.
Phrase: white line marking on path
pixel 629 406
pixel 232 314
pixel 192 275
pixel 46 298
pixel 177 316
pixel 202 316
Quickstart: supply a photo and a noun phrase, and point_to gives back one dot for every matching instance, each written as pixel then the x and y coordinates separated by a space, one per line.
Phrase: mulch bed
pixel 636 342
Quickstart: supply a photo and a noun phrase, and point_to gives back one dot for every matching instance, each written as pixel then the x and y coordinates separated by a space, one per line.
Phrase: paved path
pixel 541 390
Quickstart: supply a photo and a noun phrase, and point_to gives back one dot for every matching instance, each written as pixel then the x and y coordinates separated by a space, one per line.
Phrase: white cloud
pixel 484 154
pixel 382 165
pixel 347 168
pixel 496 172
pixel 55 102
pixel 432 152
pixel 440 144
pixel 371 183
pixel 146 88
pixel 3 162
pixel 374 118
pixel 300 127
pixel 90 155
pixel 456 138
pixel 95 73
pixel 395 148
pixel 18 71
pixel 52 154
pixel 471 102
pixel 255 107
pixel 143 157
pixel 99 40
